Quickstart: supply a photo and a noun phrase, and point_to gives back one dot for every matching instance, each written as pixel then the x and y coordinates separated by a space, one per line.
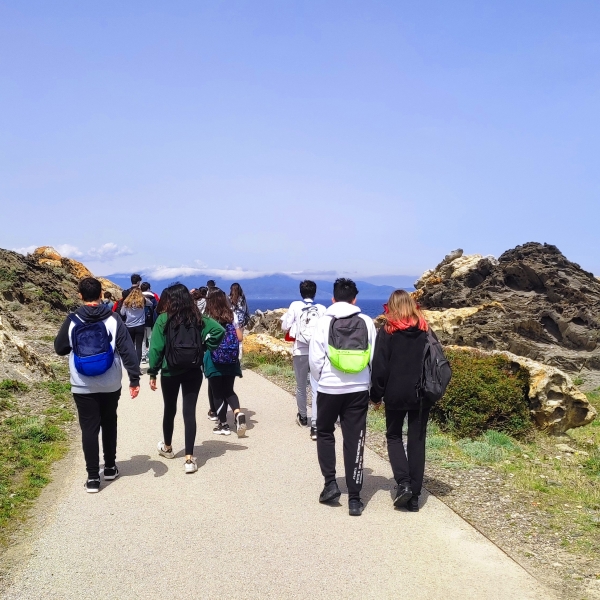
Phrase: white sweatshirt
pixel 291 320
pixel 330 380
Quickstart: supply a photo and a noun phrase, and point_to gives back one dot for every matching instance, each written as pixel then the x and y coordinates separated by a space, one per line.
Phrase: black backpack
pixel 436 372
pixel 183 346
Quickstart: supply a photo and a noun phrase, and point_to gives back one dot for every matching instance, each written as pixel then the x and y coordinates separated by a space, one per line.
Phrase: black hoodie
pixel 124 352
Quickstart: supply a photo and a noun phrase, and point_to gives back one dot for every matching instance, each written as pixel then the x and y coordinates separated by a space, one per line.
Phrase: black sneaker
pixel 355 507
pixel 111 473
pixel 403 495
pixel 313 433
pixel 92 486
pixel 240 424
pixel 413 504
pixel 222 429
pixel 302 421
pixel 212 416
pixel 331 493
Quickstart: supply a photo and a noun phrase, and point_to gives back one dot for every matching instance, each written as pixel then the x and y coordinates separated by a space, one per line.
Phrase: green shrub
pixel 486 392
pixel 12 385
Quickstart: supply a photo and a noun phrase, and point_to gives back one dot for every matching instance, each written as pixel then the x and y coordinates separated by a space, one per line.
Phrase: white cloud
pixel 104 253
pixel 69 251
pixel 26 250
pixel 163 273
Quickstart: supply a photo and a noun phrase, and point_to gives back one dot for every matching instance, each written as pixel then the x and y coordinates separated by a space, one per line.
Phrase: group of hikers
pixel 337 353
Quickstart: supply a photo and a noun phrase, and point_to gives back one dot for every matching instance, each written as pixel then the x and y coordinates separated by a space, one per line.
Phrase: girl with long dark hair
pixel 180 366
pixel 223 365
pixel 397 367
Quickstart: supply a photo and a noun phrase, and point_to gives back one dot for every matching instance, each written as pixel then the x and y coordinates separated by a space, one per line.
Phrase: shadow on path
pixel 138 465
pixel 212 449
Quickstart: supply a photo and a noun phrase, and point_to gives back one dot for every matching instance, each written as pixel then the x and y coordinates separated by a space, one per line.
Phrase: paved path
pixel 248 524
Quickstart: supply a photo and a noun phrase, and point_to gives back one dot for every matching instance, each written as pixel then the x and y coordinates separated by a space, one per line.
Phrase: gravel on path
pixel 248 524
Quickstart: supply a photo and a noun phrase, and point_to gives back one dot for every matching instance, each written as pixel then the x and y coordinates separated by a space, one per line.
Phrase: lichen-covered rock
pixel 267 322
pixel 263 343
pixel 555 403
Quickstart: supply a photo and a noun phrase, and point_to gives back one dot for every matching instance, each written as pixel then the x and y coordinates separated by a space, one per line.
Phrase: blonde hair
pixel 135 299
pixel 402 309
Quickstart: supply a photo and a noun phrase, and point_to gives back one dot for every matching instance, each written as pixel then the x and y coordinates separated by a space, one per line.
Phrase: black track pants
pixel 96 411
pixel 137 336
pixel 223 395
pixel 190 383
pixel 407 469
pixel 352 411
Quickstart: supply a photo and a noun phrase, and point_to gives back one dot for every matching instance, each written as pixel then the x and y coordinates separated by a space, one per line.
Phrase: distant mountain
pixel 265 287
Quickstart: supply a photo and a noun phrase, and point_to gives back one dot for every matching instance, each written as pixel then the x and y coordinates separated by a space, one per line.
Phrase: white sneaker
pixel 240 424
pixel 190 465
pixel 164 452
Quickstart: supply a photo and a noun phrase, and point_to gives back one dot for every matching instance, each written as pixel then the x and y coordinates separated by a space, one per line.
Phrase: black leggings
pixel 223 395
pixel 137 336
pixel 97 411
pixel 407 469
pixel 190 383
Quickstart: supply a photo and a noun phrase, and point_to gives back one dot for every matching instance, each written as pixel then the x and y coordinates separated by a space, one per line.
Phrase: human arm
pixel 212 333
pixel 62 343
pixel 126 350
pixel 156 353
pixel 380 366
pixel 317 349
pixel 287 320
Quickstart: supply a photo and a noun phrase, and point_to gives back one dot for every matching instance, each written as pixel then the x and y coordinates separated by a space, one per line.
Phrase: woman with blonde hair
pixel 133 311
pixel 397 368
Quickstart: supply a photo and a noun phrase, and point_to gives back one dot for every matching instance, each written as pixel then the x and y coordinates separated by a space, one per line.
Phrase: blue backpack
pixel 92 350
pixel 228 351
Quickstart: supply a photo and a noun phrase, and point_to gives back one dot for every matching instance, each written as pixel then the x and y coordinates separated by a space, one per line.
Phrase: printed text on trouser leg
pixel 358 463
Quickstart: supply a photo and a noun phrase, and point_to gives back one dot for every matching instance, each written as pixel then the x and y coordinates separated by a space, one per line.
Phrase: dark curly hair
pixel 179 306
pixel 218 308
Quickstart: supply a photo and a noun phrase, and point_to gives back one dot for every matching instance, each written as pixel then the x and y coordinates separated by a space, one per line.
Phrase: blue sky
pixel 357 137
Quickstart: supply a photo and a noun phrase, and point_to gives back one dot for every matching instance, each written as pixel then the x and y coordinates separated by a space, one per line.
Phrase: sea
pixel 372 308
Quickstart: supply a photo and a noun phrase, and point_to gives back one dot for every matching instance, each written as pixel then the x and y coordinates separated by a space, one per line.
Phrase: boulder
pixel 536 303
pixel 263 343
pixel 267 322
pixel 555 403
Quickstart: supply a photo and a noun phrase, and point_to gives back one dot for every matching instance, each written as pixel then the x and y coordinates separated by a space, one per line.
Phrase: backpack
pixel 228 351
pixel 242 314
pixel 149 315
pixel 349 348
pixel 92 349
pixel 307 323
pixel 436 372
pixel 183 346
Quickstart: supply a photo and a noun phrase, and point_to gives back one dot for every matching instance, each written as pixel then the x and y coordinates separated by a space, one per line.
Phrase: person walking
pixel 239 304
pixel 340 355
pixel 222 365
pixel 199 296
pixel 98 345
pixel 299 323
pixel 150 310
pixel 179 337
pixel 108 300
pixel 397 368
pixel 133 312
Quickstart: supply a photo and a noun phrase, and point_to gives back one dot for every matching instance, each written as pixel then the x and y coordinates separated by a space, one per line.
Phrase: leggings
pixel 137 336
pixel 223 395
pixel 190 382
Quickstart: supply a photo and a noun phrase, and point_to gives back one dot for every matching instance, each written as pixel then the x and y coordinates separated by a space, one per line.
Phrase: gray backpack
pixel 349 348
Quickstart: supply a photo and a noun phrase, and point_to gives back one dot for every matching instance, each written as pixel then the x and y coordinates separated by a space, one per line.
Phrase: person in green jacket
pixel 178 309
pixel 223 366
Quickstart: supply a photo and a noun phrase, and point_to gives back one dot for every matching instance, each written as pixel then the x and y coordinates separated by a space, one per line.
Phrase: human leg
pixel 146 342
pixel 139 341
pixel 313 407
pixel 108 420
pixel 301 369
pixel 88 410
pixel 353 421
pixel 190 388
pixel 170 391
pixel 398 460
pixel 417 425
pixel 329 409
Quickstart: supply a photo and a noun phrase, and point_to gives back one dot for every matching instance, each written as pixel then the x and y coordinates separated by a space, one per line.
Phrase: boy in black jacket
pixel 97 396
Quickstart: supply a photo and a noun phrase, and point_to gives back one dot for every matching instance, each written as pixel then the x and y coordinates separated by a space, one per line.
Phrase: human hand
pixel 134 391
pixel 153 384
pixel 376 405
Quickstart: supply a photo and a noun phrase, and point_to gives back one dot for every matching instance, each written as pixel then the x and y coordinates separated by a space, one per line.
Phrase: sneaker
pixel 403 495
pixel 413 504
pixel 190 465
pixel 212 416
pixel 222 429
pixel 302 421
pixel 240 424
pixel 111 473
pixel 331 492
pixel 162 450
pixel 355 507
pixel 313 433
pixel 92 486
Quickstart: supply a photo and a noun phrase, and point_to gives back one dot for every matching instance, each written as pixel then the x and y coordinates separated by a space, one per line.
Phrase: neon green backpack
pixel 349 348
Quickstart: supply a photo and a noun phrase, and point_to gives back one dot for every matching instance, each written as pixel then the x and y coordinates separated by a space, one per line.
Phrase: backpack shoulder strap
pixel 74 318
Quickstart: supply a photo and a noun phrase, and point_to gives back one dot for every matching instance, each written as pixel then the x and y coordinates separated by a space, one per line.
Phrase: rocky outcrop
pixel 555 403
pixel 267 322
pixel 532 302
pixel 263 343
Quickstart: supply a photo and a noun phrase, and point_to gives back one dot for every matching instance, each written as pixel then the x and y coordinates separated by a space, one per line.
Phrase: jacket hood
pixel 410 332
pixel 339 310
pixel 93 313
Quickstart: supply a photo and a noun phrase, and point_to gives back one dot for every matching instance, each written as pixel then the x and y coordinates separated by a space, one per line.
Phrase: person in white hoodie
pixel 299 323
pixel 340 356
